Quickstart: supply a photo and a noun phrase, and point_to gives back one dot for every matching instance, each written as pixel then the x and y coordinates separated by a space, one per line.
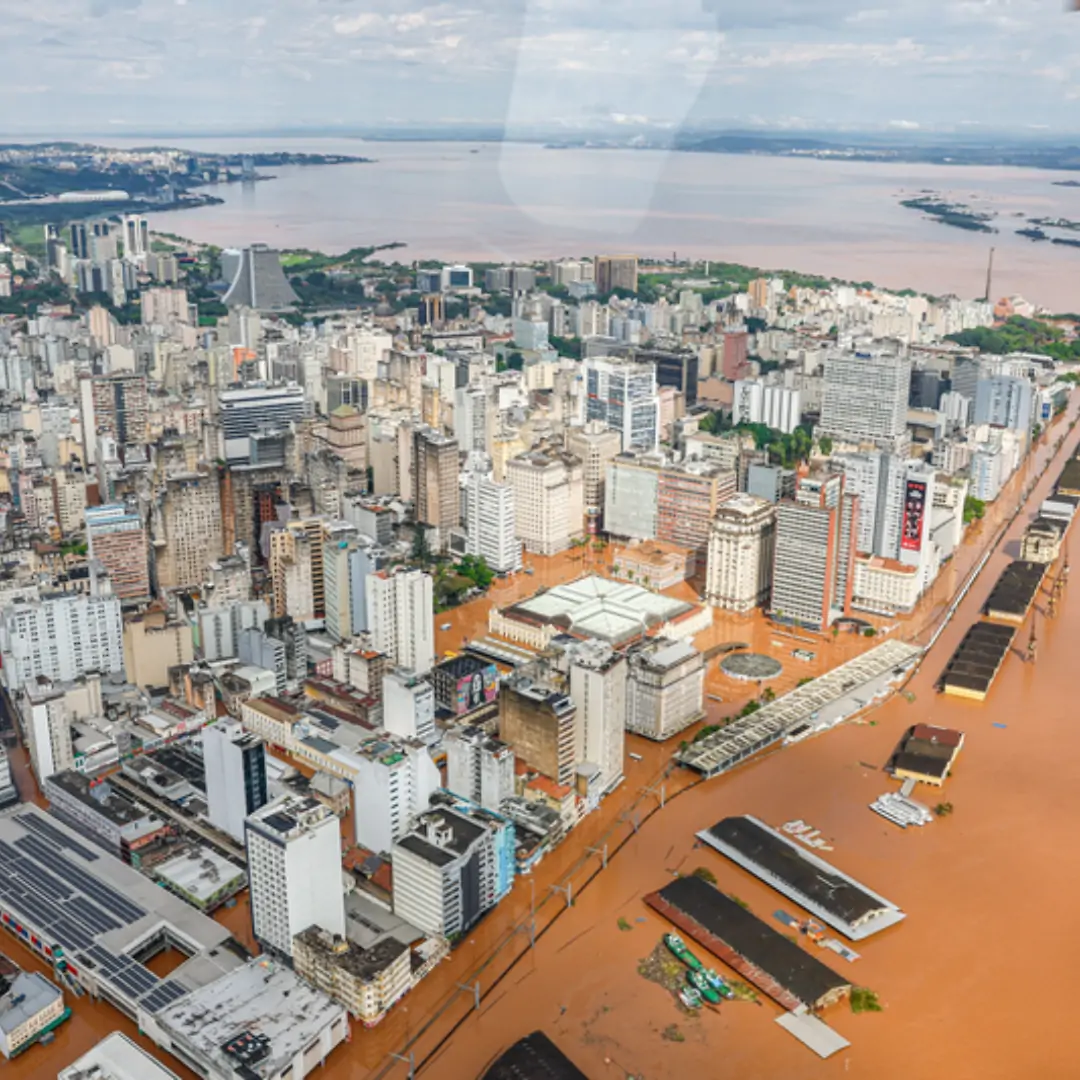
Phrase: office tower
pixel 598 687
pixel 188 530
pixel 815 540
pixel 687 498
pixel 116 538
pixel 774 406
pixel 490 523
pixel 437 497
pixel 616 272
pixel 428 281
pixel 741 546
pixel 472 419
pixel 293 636
pixel 549 510
pixel 735 363
pixel 409 706
pixel 257 409
pixel 62 636
pixel 135 234
pixel 478 767
pixel 431 310
pixel 120 408
pixel 79 245
pixel 597 445
pixel 865 399
pixel 455 277
pixel 294 871
pixel 69 493
pixel 966 373
pixel 623 395
pixel 1005 401
pixel 675 368
pixel 235 763
pixel 259 649
pixel 259 282
pixel 46 723
pixel 770 482
pixel 665 688
pixel 631 496
pixel 401 619
pixel 455 864
pixel 926 389
pixel 538 719
pixel 393 780
pixel 347 564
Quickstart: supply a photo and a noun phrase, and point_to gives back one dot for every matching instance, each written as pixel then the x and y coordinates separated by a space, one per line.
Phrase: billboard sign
pixel 479 688
pixel 914 515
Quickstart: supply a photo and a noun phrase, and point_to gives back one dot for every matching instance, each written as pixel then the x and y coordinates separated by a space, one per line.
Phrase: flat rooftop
pixel 778 966
pixel 263 997
pixel 971 670
pixel 200 872
pixel 99 911
pixel 1015 589
pixel 116 1057
pixel 801 876
pixel 535 1057
pixel 36 993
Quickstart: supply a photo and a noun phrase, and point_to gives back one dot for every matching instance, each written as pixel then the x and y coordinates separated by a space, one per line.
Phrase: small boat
pixel 698 981
pixel 678 948
pixel 718 984
pixel 690 997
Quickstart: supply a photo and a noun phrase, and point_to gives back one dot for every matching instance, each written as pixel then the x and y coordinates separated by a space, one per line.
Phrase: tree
pixel 421 551
pixel 825 445
pixel 755 325
pixel 974 509
pixel 768 695
pixel 515 361
pixel 476 569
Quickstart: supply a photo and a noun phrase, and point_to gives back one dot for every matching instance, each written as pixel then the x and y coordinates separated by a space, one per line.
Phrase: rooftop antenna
pixel 989 277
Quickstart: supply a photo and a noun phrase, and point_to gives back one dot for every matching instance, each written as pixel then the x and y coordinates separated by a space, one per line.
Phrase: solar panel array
pixel 72 908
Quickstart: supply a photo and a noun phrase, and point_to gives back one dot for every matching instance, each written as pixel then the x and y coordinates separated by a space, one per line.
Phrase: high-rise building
pixel 393 781
pixel 347 564
pixel 259 282
pixel 472 419
pixel 597 445
pixel 623 395
pixel 120 408
pixel 549 510
pixel 62 636
pixel 478 767
pixel 616 272
pixel 777 407
pixel 409 706
pixel 135 234
pixel 400 607
pixel 437 498
pixel 490 523
pixel 677 368
pixel 116 538
pixel 665 688
pixel 294 871
pixel 741 547
pixel 1005 401
pixel 79 245
pixel 235 763
pixel 598 688
pixel 735 363
pixel 687 498
pixel 47 727
pixel 187 530
pixel 865 399
pixel 631 497
pixel 9 793
pixel 538 719
pixel 456 863
pixel 256 410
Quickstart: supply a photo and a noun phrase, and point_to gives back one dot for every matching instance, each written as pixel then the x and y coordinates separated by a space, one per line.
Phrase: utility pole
pixel 989 277
pixel 410 1061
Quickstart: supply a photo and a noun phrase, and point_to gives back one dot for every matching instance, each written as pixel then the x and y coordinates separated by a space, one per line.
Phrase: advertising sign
pixel 477 689
pixel 914 513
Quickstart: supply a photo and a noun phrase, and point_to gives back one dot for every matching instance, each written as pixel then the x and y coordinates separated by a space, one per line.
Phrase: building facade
pixel 742 545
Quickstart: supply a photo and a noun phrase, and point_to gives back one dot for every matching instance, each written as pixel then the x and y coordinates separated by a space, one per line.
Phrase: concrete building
pixel 687 499
pixel 988 473
pixel 1005 401
pixel 257 410
pixel 393 780
pixel 62 636
pixel 598 689
pixel 188 533
pixel 259 1022
pixel 116 538
pixel 756 402
pixel 631 496
pixel 665 688
pixel 259 282
pixel 490 522
pixel 30 1007
pixel 549 504
pixel 409 706
pixel 367 982
pixel 615 272
pixel 654 564
pixel 436 466
pixel 116 1057
pixel 623 395
pixel 596 445
pixel 539 721
pixel 120 409
pixel 742 544
pixel 400 615
pixel 456 863
pixel 294 871
pixel 347 565
pixel 9 793
pixel 885 586
pixel 235 763
pixel 865 400
pixel 478 767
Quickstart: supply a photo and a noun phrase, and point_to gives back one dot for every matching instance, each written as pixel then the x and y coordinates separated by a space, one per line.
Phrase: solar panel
pixel 91 916
pixel 164 995
pixel 140 976
pixel 69 935
pixel 44 829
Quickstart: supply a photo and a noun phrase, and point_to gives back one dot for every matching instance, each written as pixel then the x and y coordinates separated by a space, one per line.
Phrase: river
pixel 520 201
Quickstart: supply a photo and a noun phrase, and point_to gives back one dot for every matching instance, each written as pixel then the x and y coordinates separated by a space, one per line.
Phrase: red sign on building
pixel 914 514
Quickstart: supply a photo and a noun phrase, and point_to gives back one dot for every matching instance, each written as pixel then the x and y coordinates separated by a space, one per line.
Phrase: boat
pixel 690 997
pixel 678 948
pixel 698 981
pixel 718 984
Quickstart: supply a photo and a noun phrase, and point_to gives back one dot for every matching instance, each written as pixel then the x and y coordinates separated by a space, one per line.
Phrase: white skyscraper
pixel 235 762
pixel 401 617
pixel 409 706
pixel 294 871
pixel 623 395
pixel 865 399
pixel 478 767
pixel 598 686
pixel 489 523
pixel 135 233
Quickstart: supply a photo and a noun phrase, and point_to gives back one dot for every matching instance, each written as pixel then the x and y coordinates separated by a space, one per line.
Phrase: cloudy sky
pixel 144 66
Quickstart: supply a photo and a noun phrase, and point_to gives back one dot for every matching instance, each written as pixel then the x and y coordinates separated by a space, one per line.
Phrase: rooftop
pixel 36 993
pixel 199 872
pixel 263 998
pixel 116 1057
pixel 364 964
pixel 103 799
